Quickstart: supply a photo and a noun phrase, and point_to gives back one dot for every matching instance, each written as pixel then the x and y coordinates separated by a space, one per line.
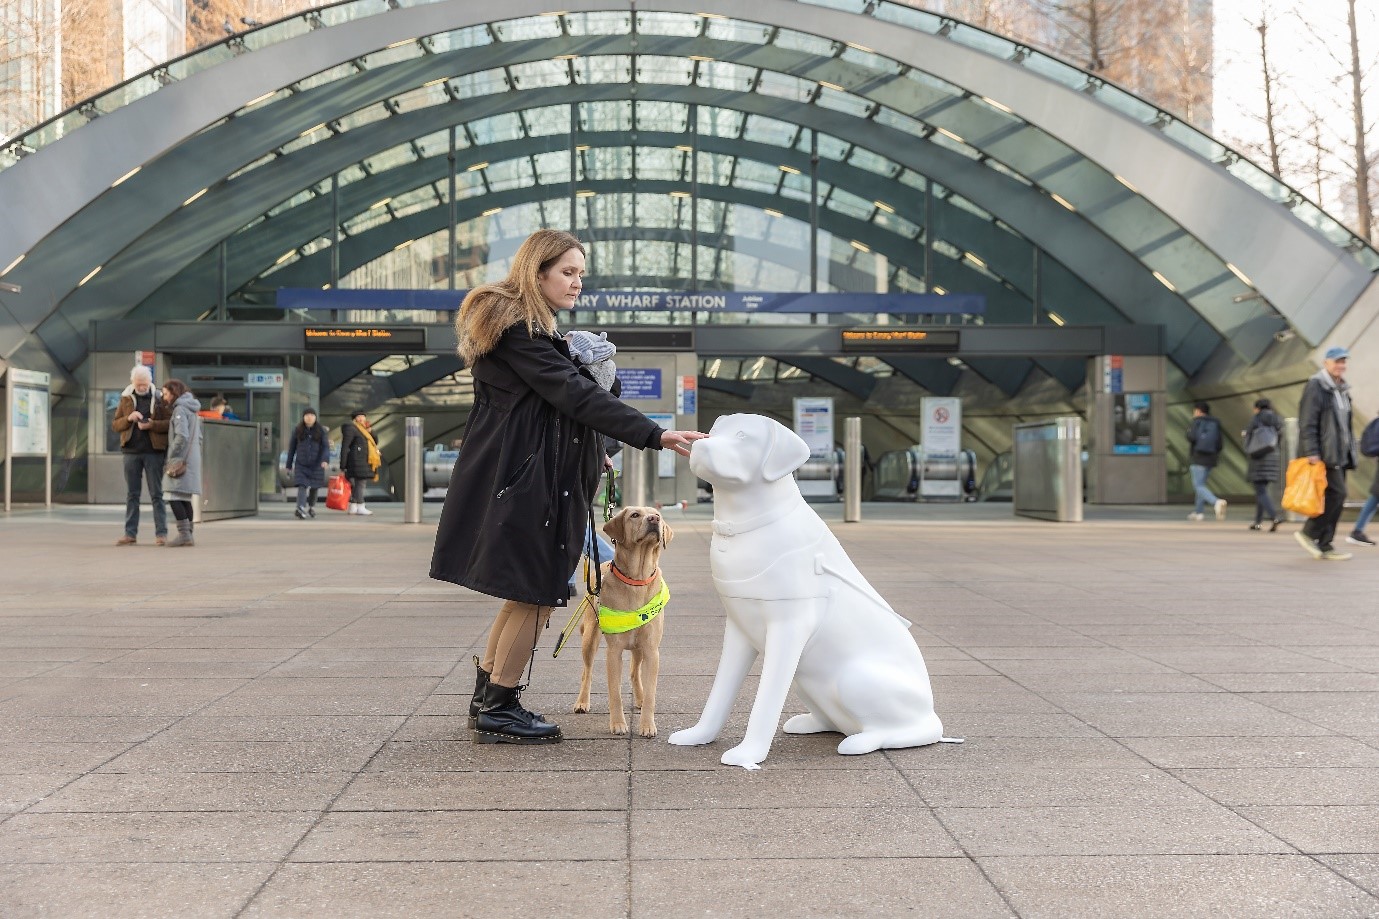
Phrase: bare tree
pixel 92 39
pixel 30 56
pixel 1342 45
pixel 1271 102
pixel 1364 203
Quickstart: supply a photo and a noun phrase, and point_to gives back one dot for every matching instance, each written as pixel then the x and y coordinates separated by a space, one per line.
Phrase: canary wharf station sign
pixel 714 301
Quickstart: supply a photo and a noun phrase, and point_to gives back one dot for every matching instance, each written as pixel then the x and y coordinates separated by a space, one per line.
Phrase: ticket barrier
pixel 915 474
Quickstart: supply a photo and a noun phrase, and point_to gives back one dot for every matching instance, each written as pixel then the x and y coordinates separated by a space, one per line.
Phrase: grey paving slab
pixel 1340 829
pixel 1200 829
pixel 1312 785
pixel 746 888
pixel 259 791
pixel 150 837
pixel 471 791
pixel 129 891
pixel 804 830
pixel 445 890
pixel 1178 887
pixel 1311 752
pixel 294 738
pixel 464 836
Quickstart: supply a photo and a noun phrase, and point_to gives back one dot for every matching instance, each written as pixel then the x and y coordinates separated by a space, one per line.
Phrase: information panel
pixel 388 339
pixel 908 341
pixel 814 423
pixel 28 411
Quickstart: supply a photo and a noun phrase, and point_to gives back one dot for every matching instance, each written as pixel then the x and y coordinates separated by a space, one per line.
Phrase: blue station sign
pixel 714 301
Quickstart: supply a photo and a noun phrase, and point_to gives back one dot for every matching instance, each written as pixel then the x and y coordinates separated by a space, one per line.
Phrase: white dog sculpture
pixel 792 593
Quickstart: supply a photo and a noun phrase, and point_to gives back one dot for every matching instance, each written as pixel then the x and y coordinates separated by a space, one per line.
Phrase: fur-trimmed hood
pixel 484 317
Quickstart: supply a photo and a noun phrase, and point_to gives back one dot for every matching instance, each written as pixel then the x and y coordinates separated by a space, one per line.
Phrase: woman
pixel 359 459
pixel 515 514
pixel 309 452
pixel 1263 471
pixel 182 472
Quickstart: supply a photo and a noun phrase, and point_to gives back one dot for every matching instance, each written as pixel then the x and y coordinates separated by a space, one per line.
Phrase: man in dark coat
pixel 1205 440
pixel 1325 436
pixel 141 420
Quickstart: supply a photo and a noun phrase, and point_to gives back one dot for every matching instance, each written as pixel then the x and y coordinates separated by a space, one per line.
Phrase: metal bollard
pixel 415 482
pixel 636 478
pixel 852 470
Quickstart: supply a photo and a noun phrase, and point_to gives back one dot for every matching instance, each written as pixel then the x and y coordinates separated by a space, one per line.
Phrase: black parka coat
pixel 1265 468
pixel 354 453
pixel 306 453
pixel 514 517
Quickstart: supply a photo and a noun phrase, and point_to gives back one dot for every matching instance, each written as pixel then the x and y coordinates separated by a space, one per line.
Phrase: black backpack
pixel 1369 440
pixel 1208 436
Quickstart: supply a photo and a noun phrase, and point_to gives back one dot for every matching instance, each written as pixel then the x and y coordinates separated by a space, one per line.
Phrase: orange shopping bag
pixel 338 493
pixel 1305 488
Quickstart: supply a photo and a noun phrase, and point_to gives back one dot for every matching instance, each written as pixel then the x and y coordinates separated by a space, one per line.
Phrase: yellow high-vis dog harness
pixel 615 621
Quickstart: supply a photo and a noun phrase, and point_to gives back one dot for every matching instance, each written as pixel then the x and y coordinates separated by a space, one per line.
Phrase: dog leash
pixel 594 589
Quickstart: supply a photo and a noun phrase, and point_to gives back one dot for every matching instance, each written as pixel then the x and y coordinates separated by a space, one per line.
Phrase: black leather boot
pixel 502 719
pixel 480 681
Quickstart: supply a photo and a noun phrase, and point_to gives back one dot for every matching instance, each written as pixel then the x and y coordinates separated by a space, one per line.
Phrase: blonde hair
pixel 490 309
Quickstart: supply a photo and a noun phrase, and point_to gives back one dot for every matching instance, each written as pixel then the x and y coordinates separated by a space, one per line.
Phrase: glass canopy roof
pixel 692 150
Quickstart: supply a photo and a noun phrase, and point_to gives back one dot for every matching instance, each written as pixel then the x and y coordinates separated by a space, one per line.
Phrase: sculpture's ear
pixel 667 534
pixel 787 452
pixel 616 527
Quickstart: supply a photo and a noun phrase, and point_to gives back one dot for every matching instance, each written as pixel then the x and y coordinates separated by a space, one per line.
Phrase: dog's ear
pixel 667 534
pixel 616 527
pixel 786 453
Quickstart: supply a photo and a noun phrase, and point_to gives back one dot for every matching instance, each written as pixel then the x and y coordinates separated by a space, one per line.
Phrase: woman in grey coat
pixel 1263 471
pixel 184 446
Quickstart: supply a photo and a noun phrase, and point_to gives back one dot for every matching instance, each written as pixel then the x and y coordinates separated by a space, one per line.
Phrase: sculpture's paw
pixel 741 756
pixel 860 743
pixel 807 724
pixel 693 737
pixel 618 727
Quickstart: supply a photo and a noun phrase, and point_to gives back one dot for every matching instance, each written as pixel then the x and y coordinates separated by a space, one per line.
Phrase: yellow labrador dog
pixel 629 616
pixel 793 597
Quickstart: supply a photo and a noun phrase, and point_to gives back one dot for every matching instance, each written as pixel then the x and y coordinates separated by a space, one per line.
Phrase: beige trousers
pixel 512 640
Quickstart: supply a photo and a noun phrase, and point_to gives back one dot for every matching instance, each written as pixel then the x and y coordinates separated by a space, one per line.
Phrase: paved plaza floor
pixel 1162 719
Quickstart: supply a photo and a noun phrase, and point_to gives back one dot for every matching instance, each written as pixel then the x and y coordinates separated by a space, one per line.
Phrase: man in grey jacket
pixel 1325 436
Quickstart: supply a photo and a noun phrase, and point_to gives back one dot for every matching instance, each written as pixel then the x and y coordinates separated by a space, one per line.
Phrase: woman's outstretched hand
pixel 680 441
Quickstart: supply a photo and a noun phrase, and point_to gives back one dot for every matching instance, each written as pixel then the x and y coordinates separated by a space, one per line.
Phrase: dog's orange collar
pixel 633 582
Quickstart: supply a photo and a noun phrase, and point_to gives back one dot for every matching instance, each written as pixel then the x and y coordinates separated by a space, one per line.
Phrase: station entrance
pixel 270 371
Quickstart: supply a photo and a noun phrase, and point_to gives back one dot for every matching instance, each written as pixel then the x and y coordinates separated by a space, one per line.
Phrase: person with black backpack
pixel 1204 439
pixel 1262 439
pixel 1369 446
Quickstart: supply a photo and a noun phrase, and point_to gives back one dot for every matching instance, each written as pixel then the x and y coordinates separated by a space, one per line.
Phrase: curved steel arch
pixel 1004 252
pixel 284 124
pixel 1193 195
pixel 1116 275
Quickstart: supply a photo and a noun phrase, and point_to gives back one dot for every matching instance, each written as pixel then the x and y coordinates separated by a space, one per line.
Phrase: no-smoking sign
pixel 941 415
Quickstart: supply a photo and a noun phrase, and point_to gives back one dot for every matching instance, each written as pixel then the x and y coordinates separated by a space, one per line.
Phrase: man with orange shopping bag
pixel 1325 437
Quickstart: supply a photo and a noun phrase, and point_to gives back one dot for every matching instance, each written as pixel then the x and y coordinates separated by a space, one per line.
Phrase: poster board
pixel 29 413
pixel 28 426
pixel 814 423
pixel 1133 424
